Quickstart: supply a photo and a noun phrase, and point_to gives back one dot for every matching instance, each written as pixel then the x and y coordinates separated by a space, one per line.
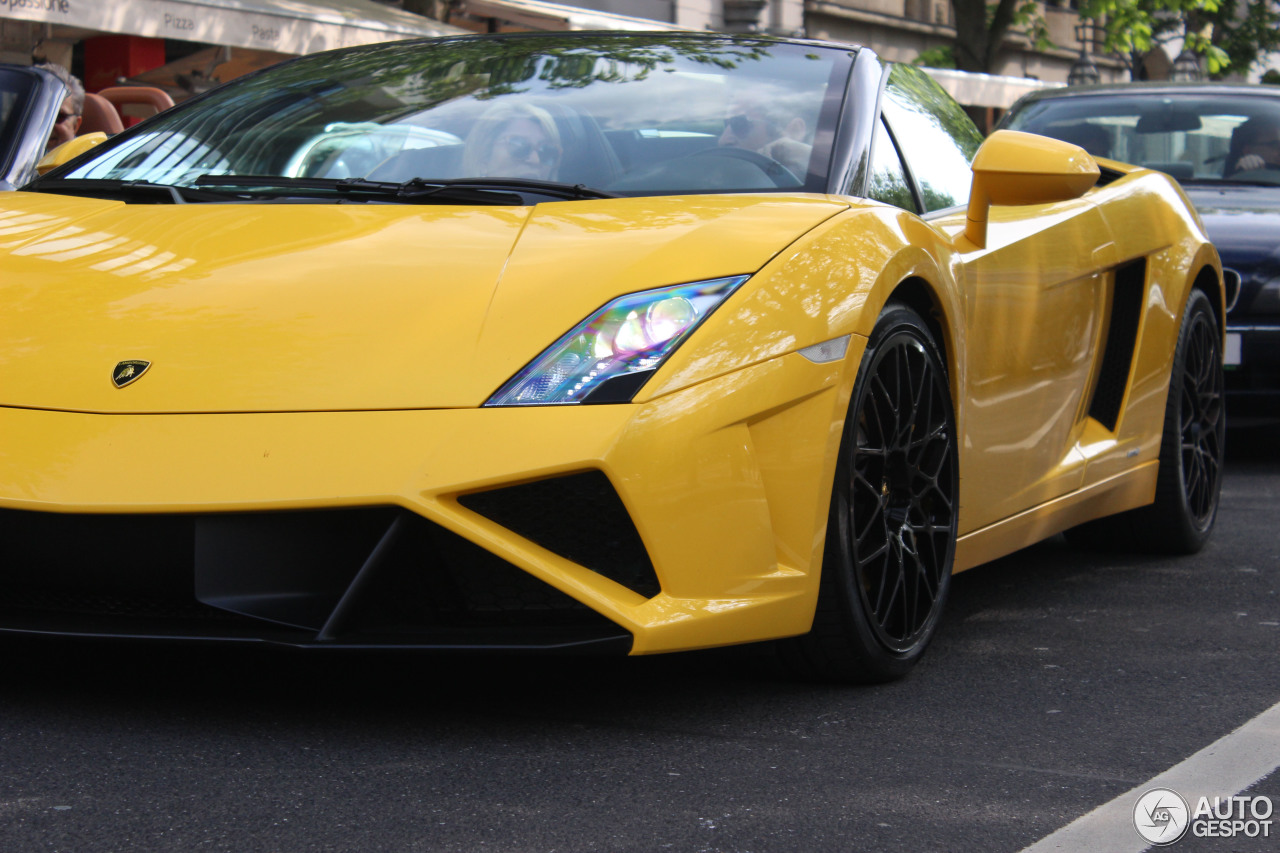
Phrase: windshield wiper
pixel 123 190
pixel 506 191
pixel 553 189
pixel 416 190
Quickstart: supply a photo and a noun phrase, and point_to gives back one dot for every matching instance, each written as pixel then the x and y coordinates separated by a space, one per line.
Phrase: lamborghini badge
pixel 127 372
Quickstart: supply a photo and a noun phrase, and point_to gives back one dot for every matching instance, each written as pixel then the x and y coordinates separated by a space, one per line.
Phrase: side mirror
pixel 68 151
pixel 1022 168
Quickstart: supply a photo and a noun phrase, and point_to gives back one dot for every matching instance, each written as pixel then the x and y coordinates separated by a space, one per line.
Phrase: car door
pixel 1034 313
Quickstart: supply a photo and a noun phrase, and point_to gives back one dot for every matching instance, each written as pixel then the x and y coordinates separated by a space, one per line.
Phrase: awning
pixel 986 90
pixel 281 26
pixel 537 15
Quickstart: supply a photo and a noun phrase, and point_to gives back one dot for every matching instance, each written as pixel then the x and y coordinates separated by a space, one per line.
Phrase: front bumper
pixel 692 520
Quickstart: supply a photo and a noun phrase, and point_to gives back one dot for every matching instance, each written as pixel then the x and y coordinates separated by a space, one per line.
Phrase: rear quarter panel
pixel 1151 218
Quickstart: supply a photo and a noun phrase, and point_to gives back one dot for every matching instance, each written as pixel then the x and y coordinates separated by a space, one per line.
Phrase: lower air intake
pixel 581 518
pixel 349 577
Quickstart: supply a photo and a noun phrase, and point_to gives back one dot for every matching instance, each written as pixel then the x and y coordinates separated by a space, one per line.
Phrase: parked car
pixel 1198 133
pixel 638 342
pixel 29 102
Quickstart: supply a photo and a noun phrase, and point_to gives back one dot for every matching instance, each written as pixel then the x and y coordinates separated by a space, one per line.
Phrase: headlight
pixel 629 337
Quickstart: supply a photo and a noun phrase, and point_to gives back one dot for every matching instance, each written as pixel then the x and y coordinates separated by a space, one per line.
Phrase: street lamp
pixel 1085 70
pixel 1186 68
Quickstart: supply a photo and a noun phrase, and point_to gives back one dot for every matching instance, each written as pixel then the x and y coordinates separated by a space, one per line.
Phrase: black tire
pixel 1192 448
pixel 891 531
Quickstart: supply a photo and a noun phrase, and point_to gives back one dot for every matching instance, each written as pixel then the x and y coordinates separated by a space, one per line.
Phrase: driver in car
pixel 1259 144
pixel 67 124
pixel 765 130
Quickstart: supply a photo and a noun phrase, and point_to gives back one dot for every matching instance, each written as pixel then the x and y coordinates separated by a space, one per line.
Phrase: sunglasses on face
pixel 520 147
pixel 740 125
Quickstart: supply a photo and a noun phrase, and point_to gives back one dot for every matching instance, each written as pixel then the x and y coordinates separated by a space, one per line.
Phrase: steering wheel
pixel 775 171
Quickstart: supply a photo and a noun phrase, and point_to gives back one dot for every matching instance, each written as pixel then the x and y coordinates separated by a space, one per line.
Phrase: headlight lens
pixel 630 335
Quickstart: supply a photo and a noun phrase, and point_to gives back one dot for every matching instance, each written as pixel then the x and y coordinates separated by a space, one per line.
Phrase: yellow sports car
pixel 635 342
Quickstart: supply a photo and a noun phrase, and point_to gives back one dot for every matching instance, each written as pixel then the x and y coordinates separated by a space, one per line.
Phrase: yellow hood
pixel 311 307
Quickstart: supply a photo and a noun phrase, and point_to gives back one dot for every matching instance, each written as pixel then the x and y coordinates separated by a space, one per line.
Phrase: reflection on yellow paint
pixel 106 251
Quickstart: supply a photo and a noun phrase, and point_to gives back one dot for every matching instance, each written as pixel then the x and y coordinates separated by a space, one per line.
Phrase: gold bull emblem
pixel 128 372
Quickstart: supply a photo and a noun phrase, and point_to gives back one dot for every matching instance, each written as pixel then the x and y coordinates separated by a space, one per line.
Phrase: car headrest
pixel 137 101
pixel 99 116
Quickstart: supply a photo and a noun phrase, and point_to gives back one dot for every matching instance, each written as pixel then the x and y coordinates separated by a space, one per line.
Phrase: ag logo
pixel 1161 816
pixel 127 372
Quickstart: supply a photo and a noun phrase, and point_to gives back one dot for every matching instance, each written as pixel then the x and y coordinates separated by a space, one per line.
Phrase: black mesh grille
pixel 581 518
pixel 431 577
pixel 1122 336
pixel 111 605
pixel 351 577
pixel 132 567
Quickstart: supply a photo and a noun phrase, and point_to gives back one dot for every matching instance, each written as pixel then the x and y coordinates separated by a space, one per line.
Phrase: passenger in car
pixel 766 129
pixel 72 109
pixel 513 141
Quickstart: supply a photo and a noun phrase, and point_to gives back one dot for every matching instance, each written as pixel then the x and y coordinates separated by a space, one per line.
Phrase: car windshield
pixel 1197 136
pixel 623 114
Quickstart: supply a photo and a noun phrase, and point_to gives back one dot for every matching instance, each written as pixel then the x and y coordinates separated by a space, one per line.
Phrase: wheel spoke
pixel 902 492
pixel 889 583
pixel 878 552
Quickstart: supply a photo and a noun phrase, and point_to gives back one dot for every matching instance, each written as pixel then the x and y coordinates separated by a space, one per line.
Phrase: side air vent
pixel 1122 336
pixel 581 518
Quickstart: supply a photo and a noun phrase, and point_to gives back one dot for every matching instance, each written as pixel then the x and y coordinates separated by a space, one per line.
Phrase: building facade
pixel 185 46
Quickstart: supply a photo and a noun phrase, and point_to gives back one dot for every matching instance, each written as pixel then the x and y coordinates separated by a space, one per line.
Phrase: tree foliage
pixel 1246 31
pixel 1228 34
pixel 1133 27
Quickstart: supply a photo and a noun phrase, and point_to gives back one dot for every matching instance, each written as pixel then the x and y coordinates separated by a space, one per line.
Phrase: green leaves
pixel 943 56
pixel 1226 34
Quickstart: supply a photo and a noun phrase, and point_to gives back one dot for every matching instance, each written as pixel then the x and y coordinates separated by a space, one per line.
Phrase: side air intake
pixel 1122 337
pixel 581 518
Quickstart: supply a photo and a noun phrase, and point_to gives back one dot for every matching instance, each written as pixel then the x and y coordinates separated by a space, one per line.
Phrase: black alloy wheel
pixel 894 507
pixel 1194 442
pixel 1201 419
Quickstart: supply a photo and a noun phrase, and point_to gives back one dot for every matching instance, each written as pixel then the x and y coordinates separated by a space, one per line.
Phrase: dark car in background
pixel 1199 134
pixel 29 102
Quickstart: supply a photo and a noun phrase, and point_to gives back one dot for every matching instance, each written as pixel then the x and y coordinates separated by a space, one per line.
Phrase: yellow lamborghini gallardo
pixel 636 342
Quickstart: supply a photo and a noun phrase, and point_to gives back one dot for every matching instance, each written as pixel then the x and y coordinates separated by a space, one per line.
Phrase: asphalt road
pixel 1060 680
